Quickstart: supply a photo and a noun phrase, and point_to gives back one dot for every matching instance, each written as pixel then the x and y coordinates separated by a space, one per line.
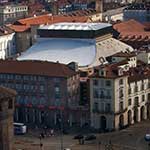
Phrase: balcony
pixel 102 111
pixel 136 105
pixel 121 111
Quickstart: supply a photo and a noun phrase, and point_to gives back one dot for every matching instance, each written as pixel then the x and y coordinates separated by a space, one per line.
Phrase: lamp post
pixel 41 144
pixel 61 130
pixel 99 145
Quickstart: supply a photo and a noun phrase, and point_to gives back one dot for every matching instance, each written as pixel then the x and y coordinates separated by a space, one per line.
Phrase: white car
pixel 147 137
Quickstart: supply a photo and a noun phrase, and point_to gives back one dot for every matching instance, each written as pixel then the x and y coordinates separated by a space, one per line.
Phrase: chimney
pixel 99 6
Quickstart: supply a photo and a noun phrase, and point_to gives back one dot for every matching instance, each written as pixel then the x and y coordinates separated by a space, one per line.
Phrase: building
pixel 45 89
pixel 120 91
pixel 23 39
pixel 10 13
pixel 88 44
pixel 137 11
pixel 7 100
pixel 26 29
pixel 133 33
pixel 7 43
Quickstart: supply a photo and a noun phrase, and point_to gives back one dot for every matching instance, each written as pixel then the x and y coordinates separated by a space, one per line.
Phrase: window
pixel 10 104
pixel 120 81
pixel 107 107
pixel 121 93
pixel 57 89
pixel 57 92
pixel 96 106
pixel 129 102
pixel 95 93
pixel 121 106
pixel 143 97
pixel 136 88
pixel 142 86
pixel 102 94
pixel 108 83
pixel 136 101
pixel 108 94
pixel 95 82
pixel 129 90
pixel 42 88
pixel 56 80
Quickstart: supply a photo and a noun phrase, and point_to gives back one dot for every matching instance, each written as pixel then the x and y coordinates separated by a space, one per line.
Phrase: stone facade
pixel 7 98
pixel 120 92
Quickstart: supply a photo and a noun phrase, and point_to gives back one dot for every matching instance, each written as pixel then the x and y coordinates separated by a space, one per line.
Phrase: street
pixel 131 138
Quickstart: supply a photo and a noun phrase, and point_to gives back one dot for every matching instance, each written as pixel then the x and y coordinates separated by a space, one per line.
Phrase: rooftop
pixel 124 54
pixel 86 52
pixel 49 19
pixel 42 68
pixel 76 26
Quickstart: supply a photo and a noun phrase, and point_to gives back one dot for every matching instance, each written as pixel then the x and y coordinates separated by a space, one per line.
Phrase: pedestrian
pixel 52 132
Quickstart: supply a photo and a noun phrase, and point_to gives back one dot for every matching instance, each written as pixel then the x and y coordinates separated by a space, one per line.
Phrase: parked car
pixel 147 137
pixel 90 137
pixel 79 136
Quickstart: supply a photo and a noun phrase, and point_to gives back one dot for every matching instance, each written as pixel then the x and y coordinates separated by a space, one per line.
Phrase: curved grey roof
pixel 86 53
pixel 63 50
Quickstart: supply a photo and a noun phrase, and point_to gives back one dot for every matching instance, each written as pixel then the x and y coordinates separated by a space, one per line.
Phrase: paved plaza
pixel 131 138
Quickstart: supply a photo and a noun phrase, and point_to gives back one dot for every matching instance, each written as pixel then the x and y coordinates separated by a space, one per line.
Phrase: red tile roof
pixel 50 69
pixel 129 26
pixel 133 33
pixel 19 28
pixel 48 19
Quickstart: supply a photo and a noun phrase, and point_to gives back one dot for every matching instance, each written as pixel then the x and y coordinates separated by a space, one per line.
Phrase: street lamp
pixel 99 145
pixel 41 144
pixel 61 130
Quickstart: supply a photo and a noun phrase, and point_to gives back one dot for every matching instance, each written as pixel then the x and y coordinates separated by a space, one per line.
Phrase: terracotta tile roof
pixel 129 26
pixel 36 68
pixel 48 19
pixel 133 33
pixel 139 73
pixel 19 28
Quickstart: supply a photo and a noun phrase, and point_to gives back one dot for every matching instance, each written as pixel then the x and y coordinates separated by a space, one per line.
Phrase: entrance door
pixel 103 123
pixel 129 117
pixel 121 121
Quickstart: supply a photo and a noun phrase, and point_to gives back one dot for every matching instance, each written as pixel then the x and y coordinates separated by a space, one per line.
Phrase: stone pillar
pixel 139 114
pixel 145 112
pixel 7 98
pixel 132 117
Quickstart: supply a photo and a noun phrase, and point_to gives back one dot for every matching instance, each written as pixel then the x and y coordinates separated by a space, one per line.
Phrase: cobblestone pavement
pixel 131 138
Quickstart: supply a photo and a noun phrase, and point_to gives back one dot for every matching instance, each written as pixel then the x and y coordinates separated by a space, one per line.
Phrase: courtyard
pixel 131 138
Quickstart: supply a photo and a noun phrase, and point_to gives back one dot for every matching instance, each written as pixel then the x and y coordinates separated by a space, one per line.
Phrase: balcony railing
pixel 102 111
pixel 120 111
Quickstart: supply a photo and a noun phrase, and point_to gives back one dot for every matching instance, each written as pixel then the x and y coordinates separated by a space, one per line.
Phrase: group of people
pixel 47 132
